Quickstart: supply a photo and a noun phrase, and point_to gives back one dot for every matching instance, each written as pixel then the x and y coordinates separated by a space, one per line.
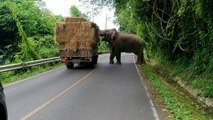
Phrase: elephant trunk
pixel 101 33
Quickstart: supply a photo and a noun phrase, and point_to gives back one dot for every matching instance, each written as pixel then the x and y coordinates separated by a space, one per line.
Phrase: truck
pixel 78 41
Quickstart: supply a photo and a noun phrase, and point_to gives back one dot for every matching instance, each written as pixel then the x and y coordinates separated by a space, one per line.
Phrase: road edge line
pixel 155 114
pixel 40 74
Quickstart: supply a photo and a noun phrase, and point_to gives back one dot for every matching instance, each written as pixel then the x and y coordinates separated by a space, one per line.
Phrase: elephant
pixel 123 42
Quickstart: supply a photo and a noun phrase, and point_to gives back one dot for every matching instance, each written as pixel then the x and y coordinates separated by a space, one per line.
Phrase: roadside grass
pixel 203 81
pixel 16 75
pixel 205 85
pixel 181 105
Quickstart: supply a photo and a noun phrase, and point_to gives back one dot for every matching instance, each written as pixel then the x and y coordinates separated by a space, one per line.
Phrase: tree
pixel 75 12
pixel 23 24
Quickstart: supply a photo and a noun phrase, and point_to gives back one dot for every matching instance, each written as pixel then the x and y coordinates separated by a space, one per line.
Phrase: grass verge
pixel 177 101
pixel 202 81
pixel 12 76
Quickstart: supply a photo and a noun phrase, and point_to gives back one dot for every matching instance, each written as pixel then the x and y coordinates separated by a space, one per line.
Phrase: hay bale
pixel 77 26
pixel 62 46
pixel 86 45
pixel 60 26
pixel 72 46
pixel 76 35
pixel 75 19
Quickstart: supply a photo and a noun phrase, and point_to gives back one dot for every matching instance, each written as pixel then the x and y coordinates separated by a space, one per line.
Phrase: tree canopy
pixel 75 12
pixel 23 25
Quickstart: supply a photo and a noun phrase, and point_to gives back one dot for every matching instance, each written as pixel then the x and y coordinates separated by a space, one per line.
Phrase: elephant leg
pixel 112 55
pixel 142 58
pixel 139 56
pixel 118 57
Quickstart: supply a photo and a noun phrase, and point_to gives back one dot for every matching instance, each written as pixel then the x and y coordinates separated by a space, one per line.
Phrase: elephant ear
pixel 114 34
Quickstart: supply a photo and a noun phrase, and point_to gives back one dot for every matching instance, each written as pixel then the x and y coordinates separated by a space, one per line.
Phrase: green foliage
pixel 24 26
pixel 27 33
pixel 181 107
pixel 45 46
pixel 103 47
pixel 75 12
pixel 27 44
pixel 12 76
pixel 206 85
pixel 8 32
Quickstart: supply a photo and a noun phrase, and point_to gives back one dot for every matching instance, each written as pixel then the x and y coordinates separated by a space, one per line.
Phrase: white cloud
pixel 61 7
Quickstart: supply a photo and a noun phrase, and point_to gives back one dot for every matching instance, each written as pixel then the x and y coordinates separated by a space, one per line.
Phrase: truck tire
pixel 91 65
pixel 93 62
pixel 70 66
pixel 95 59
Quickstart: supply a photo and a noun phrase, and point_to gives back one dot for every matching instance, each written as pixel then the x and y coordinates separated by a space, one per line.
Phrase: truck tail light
pixel 65 58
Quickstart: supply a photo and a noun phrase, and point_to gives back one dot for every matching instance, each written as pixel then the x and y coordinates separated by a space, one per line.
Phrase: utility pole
pixel 106 22
pixel 93 13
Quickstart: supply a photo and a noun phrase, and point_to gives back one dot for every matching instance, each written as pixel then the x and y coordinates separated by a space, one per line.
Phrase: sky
pixel 61 7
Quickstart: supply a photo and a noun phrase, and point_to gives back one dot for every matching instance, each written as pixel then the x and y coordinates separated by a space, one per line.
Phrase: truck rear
pixel 78 40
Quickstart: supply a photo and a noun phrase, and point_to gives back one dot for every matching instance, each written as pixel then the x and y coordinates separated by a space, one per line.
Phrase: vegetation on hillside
pixel 26 31
pixel 75 12
pixel 178 33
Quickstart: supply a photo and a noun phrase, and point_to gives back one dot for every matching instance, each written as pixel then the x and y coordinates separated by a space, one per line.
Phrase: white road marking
pixel 38 109
pixel 19 81
pixel 150 100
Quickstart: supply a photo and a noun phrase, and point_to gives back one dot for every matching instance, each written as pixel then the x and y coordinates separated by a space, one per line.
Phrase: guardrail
pixel 5 68
pixel 10 67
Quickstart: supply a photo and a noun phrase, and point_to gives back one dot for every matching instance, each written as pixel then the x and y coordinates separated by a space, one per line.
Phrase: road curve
pixel 108 92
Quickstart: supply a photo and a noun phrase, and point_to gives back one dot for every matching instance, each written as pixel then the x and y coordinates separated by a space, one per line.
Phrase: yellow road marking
pixel 54 98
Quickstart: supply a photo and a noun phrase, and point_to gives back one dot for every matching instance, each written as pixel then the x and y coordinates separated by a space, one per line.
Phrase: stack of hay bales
pixel 77 33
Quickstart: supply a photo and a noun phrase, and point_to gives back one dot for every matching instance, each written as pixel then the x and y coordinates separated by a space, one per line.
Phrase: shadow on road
pixel 84 66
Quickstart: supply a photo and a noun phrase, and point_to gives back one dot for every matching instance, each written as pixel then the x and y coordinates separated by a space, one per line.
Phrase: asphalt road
pixel 108 92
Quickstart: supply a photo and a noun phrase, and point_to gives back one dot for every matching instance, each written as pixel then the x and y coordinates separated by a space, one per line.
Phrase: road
pixel 108 92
